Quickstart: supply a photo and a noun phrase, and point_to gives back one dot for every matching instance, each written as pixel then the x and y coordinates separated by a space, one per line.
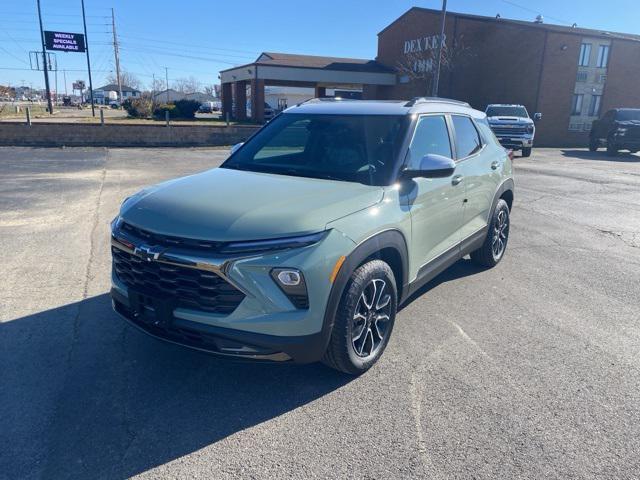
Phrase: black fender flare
pixel 393 239
pixel 506 186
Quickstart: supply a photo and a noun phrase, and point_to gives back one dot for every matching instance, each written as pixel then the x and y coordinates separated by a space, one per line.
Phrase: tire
pixel 526 151
pixel 612 148
pixel 370 296
pixel 593 145
pixel 495 244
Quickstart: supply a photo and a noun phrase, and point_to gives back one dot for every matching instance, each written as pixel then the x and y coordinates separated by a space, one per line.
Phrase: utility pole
pixel 64 72
pixel 436 79
pixel 117 54
pixel 166 77
pixel 44 63
pixel 86 39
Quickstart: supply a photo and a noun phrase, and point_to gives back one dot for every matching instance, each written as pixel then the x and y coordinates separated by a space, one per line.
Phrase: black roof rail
pixel 418 100
pixel 326 99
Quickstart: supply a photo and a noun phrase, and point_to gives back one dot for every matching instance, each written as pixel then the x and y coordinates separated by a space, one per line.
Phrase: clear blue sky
pixel 201 37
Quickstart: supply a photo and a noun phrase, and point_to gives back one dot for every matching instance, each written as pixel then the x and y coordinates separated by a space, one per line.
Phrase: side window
pixel 431 136
pixel 467 139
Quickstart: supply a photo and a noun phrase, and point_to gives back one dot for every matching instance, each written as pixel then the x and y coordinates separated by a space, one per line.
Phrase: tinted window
pixel 467 139
pixel 356 148
pixel 628 114
pixel 431 136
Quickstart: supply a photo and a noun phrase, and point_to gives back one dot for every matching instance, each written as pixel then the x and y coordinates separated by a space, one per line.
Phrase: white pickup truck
pixel 513 126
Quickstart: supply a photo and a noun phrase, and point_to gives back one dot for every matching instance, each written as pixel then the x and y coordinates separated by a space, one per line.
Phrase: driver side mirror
pixel 537 116
pixel 432 166
pixel 236 147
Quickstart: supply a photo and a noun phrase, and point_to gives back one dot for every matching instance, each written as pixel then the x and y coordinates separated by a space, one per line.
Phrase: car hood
pixel 509 120
pixel 228 205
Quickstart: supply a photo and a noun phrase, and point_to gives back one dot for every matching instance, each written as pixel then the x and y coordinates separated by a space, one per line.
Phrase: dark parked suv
pixel 618 129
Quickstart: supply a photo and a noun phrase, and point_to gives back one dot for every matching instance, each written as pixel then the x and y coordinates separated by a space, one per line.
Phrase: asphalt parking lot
pixel 528 370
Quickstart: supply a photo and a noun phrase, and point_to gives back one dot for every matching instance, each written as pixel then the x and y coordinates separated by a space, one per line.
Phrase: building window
pixel 581 77
pixel 603 56
pixel 585 53
pixel 575 127
pixel 594 106
pixel 576 107
pixel 602 78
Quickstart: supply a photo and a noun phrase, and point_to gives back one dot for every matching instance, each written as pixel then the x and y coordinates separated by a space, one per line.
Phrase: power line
pixel 200 46
pixel 12 55
pixel 514 4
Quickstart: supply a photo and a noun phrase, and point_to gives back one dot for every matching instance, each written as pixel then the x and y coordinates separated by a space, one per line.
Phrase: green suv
pixel 301 246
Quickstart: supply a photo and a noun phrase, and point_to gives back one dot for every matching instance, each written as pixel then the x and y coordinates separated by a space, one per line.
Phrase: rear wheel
pixel 593 144
pixel 526 151
pixel 612 148
pixel 495 244
pixel 364 319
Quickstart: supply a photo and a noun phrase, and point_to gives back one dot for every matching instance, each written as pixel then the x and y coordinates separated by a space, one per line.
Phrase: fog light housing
pixel 291 282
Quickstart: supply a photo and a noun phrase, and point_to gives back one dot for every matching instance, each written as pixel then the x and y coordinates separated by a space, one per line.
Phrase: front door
pixel 435 204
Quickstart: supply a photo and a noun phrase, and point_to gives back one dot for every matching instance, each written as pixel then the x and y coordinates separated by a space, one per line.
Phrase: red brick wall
pixel 557 84
pixel 623 76
pixel 510 63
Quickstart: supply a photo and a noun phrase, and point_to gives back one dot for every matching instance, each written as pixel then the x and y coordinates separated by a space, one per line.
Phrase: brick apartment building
pixel 569 74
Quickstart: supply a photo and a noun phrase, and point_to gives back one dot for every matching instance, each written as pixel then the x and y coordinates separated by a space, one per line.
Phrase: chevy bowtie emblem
pixel 148 252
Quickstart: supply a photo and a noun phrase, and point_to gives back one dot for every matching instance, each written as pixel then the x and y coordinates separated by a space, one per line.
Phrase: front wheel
pixel 593 145
pixel 612 148
pixel 526 151
pixel 364 319
pixel 492 251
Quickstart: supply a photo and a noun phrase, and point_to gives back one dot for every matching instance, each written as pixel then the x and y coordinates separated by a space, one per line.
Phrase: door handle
pixel 494 165
pixel 456 179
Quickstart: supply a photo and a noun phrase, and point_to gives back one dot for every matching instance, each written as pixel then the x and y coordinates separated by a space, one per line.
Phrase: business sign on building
pixel 79 85
pixel 64 42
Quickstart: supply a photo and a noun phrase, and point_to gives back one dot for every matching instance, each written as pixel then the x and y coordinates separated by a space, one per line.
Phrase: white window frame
pixel 603 56
pixel 594 105
pixel 577 103
pixel 585 54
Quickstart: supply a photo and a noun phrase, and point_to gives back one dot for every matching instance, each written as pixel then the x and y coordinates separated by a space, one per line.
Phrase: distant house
pixel 109 93
pixel 171 95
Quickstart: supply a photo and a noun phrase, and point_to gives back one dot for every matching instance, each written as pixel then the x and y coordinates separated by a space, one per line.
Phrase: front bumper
pixel 516 142
pixel 265 325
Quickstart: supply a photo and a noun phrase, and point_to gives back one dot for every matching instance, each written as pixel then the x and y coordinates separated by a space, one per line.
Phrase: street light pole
pixel 86 40
pixel 44 62
pixel 436 79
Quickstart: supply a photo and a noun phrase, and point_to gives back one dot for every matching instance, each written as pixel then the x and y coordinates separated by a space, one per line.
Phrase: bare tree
pixel 127 79
pixel 187 85
pixel 158 85
pixel 420 58
pixel 210 90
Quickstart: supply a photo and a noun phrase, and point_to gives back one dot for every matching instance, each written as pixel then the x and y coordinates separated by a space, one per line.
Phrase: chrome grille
pixel 191 288
pixel 506 131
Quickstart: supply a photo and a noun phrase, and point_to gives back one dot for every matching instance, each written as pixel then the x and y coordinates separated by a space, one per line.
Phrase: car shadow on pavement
pixel 84 395
pixel 600 155
pixel 462 268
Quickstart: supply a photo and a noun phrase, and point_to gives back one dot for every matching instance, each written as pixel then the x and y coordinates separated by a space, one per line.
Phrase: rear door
pixel 435 204
pixel 479 162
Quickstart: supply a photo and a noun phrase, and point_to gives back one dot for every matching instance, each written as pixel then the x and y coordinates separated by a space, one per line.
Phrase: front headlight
pixel 273 244
pixel 530 128
pixel 621 131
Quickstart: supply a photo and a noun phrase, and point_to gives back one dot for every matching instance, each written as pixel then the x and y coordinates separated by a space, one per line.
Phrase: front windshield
pixel 506 112
pixel 352 148
pixel 626 115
